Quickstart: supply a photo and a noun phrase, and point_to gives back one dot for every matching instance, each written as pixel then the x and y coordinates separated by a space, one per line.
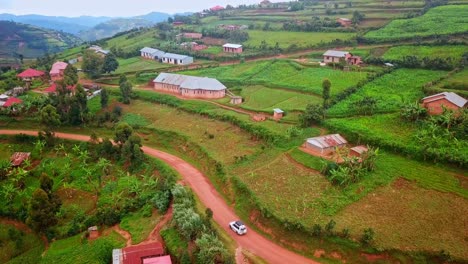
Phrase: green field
pixel 391 91
pixel 284 74
pixel 453 52
pixel 136 64
pixel 442 20
pixel 148 38
pixel 265 99
pixel 286 38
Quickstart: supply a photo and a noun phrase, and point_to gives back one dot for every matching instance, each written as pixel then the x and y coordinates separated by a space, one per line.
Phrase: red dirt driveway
pixel 222 213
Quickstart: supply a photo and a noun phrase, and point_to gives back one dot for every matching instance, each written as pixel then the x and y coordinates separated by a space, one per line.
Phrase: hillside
pixel 112 27
pixel 20 39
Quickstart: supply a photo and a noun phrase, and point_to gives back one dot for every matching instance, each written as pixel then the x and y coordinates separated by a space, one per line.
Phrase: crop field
pixel 199 129
pixel 265 99
pixel 443 20
pixel 391 91
pixel 284 74
pixel 457 83
pixel 301 39
pixel 148 38
pixel 10 249
pixel 453 52
pixel 136 64
pixel 407 217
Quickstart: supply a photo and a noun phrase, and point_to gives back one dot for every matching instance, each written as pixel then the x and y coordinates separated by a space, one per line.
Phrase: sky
pixel 113 8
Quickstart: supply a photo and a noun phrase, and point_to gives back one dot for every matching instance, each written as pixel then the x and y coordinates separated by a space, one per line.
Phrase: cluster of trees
pixel 352 169
pixel 315 113
pixel 295 6
pixel 125 89
pixel 196 228
pixel 94 65
pixel 316 25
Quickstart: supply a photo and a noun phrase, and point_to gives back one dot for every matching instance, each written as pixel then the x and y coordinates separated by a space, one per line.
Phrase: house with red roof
pixel 435 104
pixel 56 73
pixel 149 254
pixel 11 101
pixel 53 88
pixel 18 158
pixel 30 74
pixel 217 8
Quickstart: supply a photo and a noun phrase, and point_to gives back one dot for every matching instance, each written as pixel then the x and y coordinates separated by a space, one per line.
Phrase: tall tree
pixel 126 91
pixel 92 64
pixel 70 75
pixel 326 86
pixel 104 98
pixel 122 79
pixel 122 132
pixel 41 213
pixel 49 117
pixel 313 114
pixel 110 63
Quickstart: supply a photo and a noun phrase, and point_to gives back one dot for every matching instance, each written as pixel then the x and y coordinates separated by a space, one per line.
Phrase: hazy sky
pixel 110 7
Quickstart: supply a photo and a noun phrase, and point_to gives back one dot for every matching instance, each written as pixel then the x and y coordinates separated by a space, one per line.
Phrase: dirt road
pixel 222 213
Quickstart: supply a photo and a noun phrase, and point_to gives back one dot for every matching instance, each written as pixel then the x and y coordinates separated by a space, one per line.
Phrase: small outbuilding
pixel 11 101
pixel 18 158
pixel 436 103
pixel 232 48
pixel 138 254
pixel 93 232
pixel 325 144
pixel 358 151
pixel 344 22
pixel 235 100
pixel 278 114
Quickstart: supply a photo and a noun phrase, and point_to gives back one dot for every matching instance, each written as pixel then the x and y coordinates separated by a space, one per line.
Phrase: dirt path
pixel 154 236
pixel 24 228
pixel 222 213
pixel 125 234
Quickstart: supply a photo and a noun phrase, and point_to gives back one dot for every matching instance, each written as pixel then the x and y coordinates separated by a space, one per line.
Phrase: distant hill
pixel 87 27
pixel 112 27
pixel 18 39
pixel 71 25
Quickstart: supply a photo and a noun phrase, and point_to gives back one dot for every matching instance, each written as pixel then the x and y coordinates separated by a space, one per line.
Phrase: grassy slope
pixel 301 39
pixel 398 52
pixel 441 20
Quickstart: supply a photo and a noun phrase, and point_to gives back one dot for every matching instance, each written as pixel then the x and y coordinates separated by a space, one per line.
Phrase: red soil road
pixel 222 213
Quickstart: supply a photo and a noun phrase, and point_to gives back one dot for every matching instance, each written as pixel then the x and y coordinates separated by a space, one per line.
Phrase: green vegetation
pixel 442 20
pixel 454 52
pixel 390 92
pixel 16 242
pixel 140 224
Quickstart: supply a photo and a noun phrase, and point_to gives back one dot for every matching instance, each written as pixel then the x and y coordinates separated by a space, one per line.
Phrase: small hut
pixel 235 100
pixel 18 158
pixel 278 114
pixel 358 151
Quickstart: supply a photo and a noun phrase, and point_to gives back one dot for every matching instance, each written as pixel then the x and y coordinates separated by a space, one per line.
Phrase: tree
pixel 367 236
pixel 92 64
pixel 41 212
pixel 126 91
pixel 211 250
pixel 46 183
pixel 50 119
pixel 313 114
pixel 70 75
pixel 326 86
pixel 104 98
pixel 122 79
pixel 413 112
pixel 330 226
pixel 366 105
pixel 357 17
pixel 122 132
pixel 110 63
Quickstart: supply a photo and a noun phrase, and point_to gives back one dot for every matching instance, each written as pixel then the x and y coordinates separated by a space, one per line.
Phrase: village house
pixel 9 101
pixel 325 144
pixel 177 59
pixel 18 158
pixel 189 35
pixel 150 53
pixel 358 151
pixel 56 73
pixel 278 114
pixel 336 56
pixel 52 89
pixel 189 86
pixel 99 50
pixel 232 48
pixel 93 232
pixel 216 8
pixel 193 46
pixel 30 74
pixel 177 23
pixel 152 253
pixel 436 103
pixel 344 22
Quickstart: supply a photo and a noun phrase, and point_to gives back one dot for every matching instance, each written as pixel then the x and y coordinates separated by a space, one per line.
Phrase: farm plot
pixel 214 136
pixel 453 52
pixel 390 92
pixel 457 83
pixel 283 74
pixel 442 20
pixel 302 39
pixel 136 64
pixel 265 99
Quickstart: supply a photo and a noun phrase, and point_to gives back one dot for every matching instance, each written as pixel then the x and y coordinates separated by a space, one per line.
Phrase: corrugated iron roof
pixel 277 110
pixel 190 82
pixel 234 46
pixel 327 141
pixel 360 149
pixel 30 73
pixel 335 53
pixel 18 157
pixel 450 96
pixel 158 260
pixel 175 56
pixel 58 66
pixel 154 52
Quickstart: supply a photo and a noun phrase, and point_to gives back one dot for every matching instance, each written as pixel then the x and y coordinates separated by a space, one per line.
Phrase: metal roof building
pixel 232 46
pixel 449 96
pixel 326 143
pixel 336 53
pixel 190 82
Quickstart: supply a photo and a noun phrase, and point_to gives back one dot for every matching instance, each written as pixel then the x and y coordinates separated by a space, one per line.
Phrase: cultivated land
pixel 415 200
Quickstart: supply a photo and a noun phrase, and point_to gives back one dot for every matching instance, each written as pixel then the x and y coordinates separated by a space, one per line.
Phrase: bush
pixel 367 236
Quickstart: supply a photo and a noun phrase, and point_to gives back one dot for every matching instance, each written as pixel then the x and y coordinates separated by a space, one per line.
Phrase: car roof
pixel 239 222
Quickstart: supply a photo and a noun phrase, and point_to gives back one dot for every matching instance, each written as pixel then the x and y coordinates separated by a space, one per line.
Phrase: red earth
pixel 222 213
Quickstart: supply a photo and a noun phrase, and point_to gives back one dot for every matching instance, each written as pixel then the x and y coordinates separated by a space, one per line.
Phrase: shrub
pixel 367 236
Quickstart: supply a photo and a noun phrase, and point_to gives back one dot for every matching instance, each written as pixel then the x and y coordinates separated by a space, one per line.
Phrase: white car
pixel 238 227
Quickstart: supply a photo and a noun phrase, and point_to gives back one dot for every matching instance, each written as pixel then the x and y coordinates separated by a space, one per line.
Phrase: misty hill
pixel 18 39
pixel 112 27
pixel 71 25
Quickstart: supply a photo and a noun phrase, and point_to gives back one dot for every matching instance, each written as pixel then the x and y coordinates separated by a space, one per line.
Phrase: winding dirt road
pixel 222 213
